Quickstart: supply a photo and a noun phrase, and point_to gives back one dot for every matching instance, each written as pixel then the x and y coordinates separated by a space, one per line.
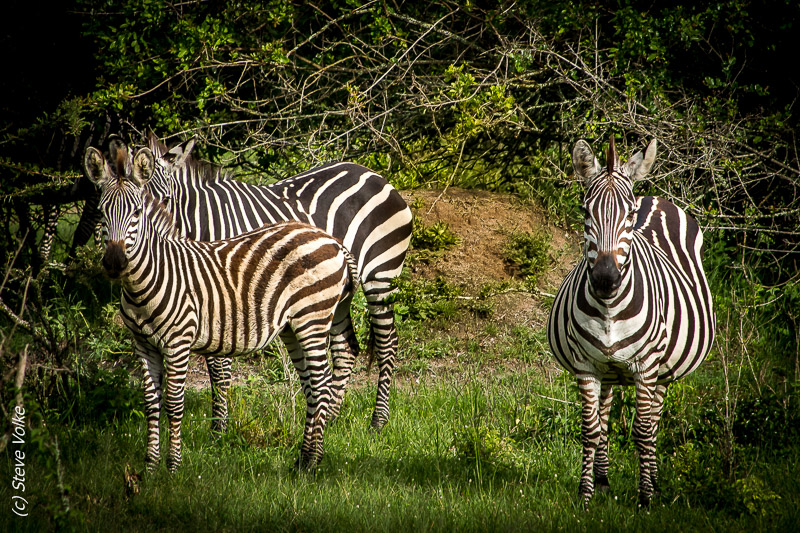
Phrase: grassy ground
pixel 466 450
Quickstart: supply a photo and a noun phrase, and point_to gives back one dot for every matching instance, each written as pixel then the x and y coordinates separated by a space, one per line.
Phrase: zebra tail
pixel 355 283
pixel 352 267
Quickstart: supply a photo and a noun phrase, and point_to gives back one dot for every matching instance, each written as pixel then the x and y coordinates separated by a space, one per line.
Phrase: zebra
pixel 350 202
pixel 636 310
pixel 219 298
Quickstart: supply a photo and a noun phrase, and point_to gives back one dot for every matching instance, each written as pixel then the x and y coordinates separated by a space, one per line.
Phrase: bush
pixel 527 254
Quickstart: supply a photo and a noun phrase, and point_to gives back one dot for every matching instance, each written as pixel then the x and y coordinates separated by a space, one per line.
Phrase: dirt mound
pixel 483 221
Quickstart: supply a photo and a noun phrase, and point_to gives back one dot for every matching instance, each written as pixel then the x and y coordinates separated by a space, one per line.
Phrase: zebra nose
pixel 114 260
pixel 605 277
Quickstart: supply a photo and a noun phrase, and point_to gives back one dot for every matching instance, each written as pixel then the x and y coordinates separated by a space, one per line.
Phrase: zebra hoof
pixel 377 424
pixel 602 485
pixel 644 501
pixel 308 463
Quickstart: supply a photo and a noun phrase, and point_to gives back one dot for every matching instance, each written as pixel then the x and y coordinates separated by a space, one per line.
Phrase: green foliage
pixel 436 238
pixel 699 478
pixel 528 254
pixel 482 446
pixel 424 300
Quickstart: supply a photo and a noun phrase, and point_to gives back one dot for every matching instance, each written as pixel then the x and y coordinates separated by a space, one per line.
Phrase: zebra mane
pixel 611 156
pixel 205 170
pixel 160 217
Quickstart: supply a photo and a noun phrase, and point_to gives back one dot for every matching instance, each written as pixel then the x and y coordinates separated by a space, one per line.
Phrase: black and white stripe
pixel 348 201
pixel 636 310
pixel 218 298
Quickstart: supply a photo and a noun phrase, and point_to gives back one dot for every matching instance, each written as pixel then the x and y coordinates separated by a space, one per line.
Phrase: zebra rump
pixel 217 298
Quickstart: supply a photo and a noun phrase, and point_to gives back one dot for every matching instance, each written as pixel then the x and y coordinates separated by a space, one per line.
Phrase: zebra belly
pixel 231 338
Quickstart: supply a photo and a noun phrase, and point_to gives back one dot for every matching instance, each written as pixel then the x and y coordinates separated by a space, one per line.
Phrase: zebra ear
pixel 144 164
pixel 156 146
pixel 177 156
pixel 638 166
pixel 118 156
pixel 584 162
pixel 94 166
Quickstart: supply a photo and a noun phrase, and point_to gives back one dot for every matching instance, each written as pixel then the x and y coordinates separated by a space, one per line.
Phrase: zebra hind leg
pixel 219 372
pixel 601 456
pixel 344 348
pixel 384 349
pixel 310 359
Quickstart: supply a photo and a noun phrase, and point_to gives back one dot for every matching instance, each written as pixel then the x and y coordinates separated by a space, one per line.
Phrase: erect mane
pixel 204 170
pixel 160 217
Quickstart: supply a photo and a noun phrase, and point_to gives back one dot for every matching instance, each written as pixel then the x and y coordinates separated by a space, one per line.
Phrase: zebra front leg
pixel 644 437
pixel 384 348
pixel 655 419
pixel 176 362
pixel 152 364
pixel 601 456
pixel 591 432
pixel 344 348
pixel 310 359
pixel 219 372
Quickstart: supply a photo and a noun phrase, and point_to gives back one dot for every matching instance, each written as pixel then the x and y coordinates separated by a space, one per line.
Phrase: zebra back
pixel 347 200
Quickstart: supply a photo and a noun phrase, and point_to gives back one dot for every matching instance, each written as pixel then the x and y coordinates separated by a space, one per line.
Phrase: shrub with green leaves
pixel 527 254
pixel 423 299
pixel 435 238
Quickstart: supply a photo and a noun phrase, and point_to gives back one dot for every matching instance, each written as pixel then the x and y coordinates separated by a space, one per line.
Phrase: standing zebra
pixel 636 310
pixel 219 298
pixel 348 201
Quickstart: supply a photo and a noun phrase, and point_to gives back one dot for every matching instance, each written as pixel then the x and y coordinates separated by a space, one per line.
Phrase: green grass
pixel 471 453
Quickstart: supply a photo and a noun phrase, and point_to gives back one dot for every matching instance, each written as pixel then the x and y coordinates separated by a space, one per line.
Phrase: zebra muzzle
pixel 114 260
pixel 605 277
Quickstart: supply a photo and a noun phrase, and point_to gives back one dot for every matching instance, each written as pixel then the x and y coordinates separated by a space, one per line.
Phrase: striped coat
pixel 636 310
pixel 218 298
pixel 348 201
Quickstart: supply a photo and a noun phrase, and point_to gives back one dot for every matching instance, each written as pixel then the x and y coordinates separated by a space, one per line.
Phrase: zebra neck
pixel 146 259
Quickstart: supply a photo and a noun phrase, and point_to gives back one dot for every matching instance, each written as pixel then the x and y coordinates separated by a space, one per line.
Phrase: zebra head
pixel 121 178
pixel 610 212
pixel 168 161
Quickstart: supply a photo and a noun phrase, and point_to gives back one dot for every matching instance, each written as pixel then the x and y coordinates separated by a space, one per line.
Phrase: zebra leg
pixel 644 436
pixel 152 364
pixel 344 348
pixel 383 346
pixel 177 362
pixel 591 431
pixel 655 418
pixel 51 214
pixel 310 359
pixel 219 373
pixel 601 456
